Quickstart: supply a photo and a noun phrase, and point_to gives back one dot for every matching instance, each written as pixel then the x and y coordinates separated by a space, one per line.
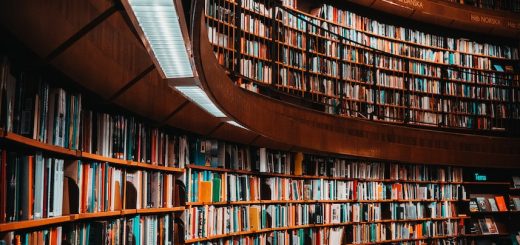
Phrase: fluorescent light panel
pixel 234 123
pixel 160 23
pixel 197 95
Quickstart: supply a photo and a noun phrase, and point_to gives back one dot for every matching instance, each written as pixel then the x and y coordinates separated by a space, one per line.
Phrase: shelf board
pixel 12 137
pixel 30 224
pixel 40 145
pixel 27 224
pixel 215 169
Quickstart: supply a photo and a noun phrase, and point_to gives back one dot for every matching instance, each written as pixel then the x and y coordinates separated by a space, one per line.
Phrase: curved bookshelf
pixel 340 57
pixel 344 135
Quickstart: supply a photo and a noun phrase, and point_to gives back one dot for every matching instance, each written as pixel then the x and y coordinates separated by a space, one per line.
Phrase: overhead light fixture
pixel 197 95
pixel 234 123
pixel 159 22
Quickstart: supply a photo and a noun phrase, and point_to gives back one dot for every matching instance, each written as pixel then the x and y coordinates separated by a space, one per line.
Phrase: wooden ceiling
pixel 93 43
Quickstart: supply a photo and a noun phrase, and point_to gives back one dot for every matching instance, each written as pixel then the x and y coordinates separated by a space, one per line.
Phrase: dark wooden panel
pixel 44 25
pixel 235 134
pixel 105 59
pixel 192 118
pixel 307 129
pixel 442 13
pixel 151 97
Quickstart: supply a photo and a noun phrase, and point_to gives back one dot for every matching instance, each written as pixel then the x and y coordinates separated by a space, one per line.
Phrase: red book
pixel 501 203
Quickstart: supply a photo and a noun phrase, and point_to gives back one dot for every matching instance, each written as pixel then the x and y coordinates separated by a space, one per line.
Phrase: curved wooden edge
pixel 315 131
pixel 452 15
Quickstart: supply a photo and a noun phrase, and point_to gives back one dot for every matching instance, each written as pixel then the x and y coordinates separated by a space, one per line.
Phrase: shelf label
pixel 485 19
pixel 413 3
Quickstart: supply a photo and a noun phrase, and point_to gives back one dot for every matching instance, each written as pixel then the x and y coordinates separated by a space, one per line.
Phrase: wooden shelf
pixel 248 172
pixel 40 145
pixel 234 203
pixel 30 224
pixel 12 137
pixel 242 233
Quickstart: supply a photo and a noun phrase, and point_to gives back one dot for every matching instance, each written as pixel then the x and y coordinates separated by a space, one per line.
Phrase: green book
pixel 216 188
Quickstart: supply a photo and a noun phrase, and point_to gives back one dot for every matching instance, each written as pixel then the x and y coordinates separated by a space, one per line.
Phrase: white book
pixel 263 159
pixel 38 183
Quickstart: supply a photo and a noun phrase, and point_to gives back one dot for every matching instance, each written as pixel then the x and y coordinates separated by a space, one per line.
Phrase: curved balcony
pixel 318 112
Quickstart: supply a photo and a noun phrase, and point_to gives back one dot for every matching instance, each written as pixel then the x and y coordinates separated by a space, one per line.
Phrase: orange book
pixel 205 191
pixel 501 203
pixel 298 163
pixel 254 218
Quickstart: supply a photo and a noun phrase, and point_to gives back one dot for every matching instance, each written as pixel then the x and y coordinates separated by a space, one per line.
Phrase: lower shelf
pixel 28 224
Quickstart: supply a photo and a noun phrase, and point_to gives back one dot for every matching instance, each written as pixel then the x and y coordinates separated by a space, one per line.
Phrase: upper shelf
pixel 308 129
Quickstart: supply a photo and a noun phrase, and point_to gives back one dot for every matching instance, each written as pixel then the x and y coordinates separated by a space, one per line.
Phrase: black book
pixel 318 214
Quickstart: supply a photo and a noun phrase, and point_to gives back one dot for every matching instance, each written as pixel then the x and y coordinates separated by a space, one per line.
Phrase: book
pixel 483 226
pixel 501 203
pixel 205 189
pixel 473 207
pixel 492 204
pixel 516 181
pixel 483 204
pixel 491 226
pixel 516 202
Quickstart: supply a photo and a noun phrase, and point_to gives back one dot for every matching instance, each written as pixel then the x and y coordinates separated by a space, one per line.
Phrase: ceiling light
pixel 197 95
pixel 159 22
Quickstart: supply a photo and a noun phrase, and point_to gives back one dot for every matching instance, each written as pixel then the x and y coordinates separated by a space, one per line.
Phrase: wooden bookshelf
pixel 12 137
pixel 457 116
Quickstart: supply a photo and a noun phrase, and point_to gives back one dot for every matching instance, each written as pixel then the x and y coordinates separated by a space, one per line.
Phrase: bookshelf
pixel 73 171
pixel 351 65
pixel 311 195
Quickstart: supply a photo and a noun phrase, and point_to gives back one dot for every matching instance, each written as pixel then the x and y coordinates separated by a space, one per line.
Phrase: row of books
pixel 210 221
pixel 32 108
pixel 353 20
pixel 209 186
pixel 32 186
pixel 150 229
pixel 322 236
pixel 123 137
pixel 380 232
pixel 35 186
pixel 483 226
pixel 488 204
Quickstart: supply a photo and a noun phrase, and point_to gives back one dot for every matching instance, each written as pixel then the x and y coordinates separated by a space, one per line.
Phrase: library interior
pixel 259 122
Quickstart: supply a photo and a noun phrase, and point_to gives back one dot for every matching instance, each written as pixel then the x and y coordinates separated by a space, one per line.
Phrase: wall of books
pixel 352 65
pixel 75 174
pixel 241 194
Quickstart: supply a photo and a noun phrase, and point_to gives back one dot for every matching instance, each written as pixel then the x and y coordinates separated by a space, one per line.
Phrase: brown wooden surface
pixel 306 129
pixel 106 58
pixel 453 15
pixel 31 20
pixel 150 97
